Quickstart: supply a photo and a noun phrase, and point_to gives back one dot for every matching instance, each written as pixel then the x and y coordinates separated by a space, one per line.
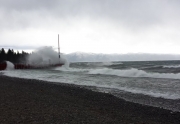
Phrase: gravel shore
pixel 39 102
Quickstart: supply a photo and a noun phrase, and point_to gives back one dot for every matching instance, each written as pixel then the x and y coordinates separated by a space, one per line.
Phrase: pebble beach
pixel 41 102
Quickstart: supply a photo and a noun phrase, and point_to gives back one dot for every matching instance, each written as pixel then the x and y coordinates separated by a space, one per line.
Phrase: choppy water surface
pixel 155 83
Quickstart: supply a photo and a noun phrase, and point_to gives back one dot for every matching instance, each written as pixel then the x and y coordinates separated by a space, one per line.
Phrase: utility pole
pixel 58 49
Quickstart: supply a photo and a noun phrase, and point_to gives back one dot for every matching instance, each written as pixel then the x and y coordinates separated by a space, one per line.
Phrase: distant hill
pixel 92 57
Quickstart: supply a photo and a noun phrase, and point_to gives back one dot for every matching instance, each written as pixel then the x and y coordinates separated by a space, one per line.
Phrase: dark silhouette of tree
pixel 10 55
pixel 2 55
pixel 13 56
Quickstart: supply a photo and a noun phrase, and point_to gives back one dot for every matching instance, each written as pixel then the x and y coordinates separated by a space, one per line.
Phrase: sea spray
pixel 10 66
pixel 45 56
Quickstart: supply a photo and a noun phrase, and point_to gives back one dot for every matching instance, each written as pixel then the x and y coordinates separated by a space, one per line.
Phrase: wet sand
pixel 34 101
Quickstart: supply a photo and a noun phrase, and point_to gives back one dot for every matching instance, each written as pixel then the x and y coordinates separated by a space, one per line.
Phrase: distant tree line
pixel 12 56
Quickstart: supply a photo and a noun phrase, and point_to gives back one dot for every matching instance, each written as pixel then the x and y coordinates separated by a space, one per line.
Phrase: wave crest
pixel 171 66
pixel 134 73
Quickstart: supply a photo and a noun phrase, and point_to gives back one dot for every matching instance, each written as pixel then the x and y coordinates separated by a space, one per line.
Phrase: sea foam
pixel 133 73
pixel 171 66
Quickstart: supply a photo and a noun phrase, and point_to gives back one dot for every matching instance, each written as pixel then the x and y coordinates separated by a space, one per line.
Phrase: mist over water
pixel 45 56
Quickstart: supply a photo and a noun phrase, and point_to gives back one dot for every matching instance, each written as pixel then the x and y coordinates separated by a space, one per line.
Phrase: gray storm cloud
pixel 129 12
pixel 140 25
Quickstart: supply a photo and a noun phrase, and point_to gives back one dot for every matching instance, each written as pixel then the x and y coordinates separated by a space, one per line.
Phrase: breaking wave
pixel 67 69
pixel 171 66
pixel 111 63
pixel 133 73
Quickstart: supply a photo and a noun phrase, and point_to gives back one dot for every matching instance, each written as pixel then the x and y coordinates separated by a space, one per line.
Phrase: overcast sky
pixel 96 26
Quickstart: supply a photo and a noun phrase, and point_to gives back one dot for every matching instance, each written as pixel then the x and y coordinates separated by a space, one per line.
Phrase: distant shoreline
pixel 35 101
